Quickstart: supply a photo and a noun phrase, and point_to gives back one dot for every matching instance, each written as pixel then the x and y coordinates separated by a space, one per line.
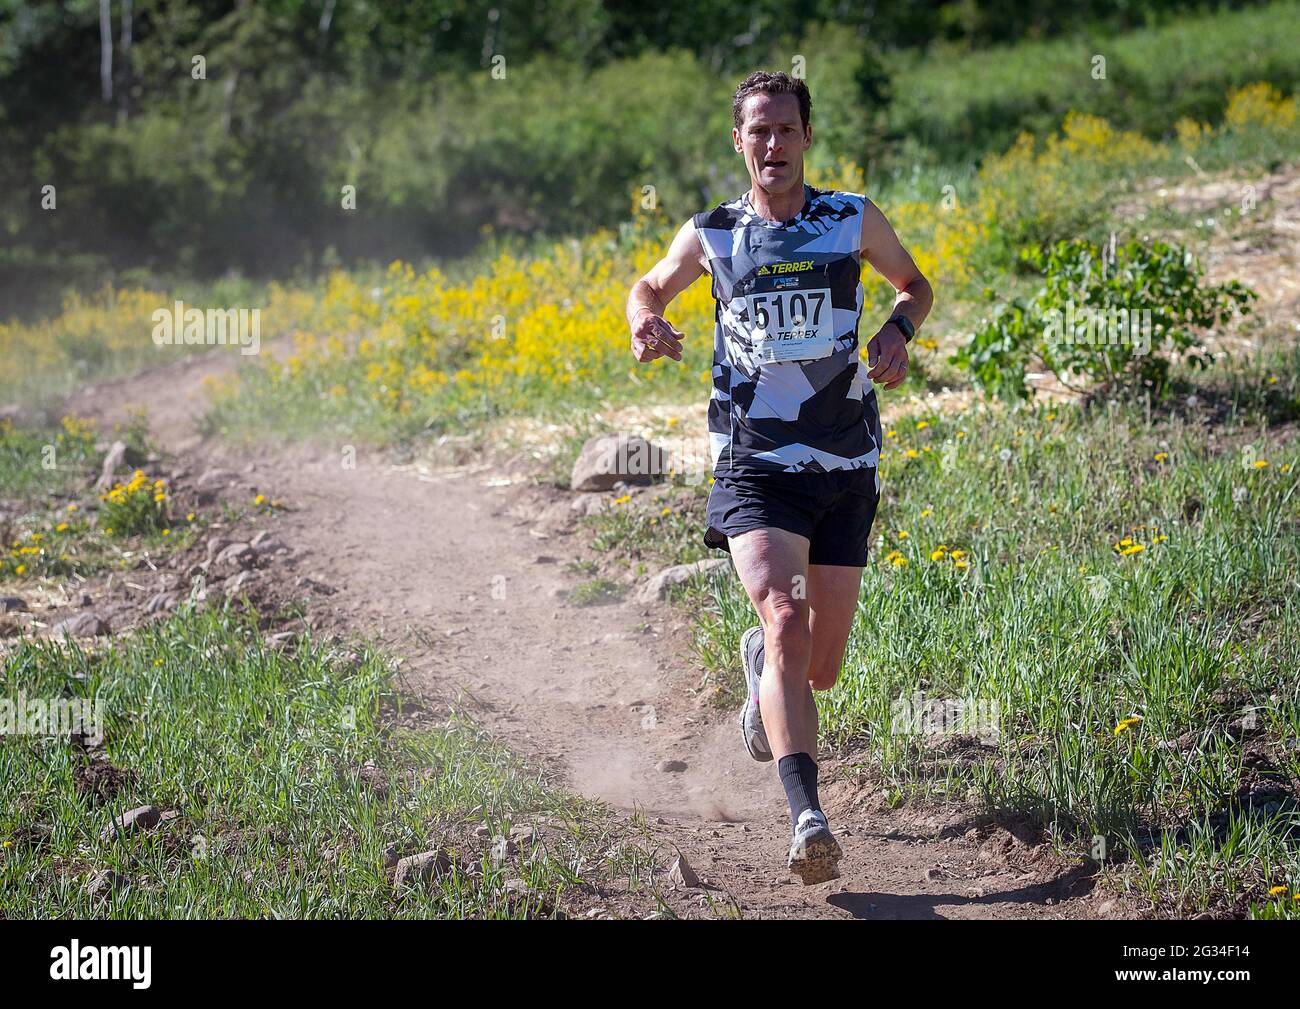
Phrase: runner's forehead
pixel 770 110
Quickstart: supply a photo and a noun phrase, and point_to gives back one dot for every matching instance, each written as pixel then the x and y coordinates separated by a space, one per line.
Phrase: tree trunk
pixel 106 50
pixel 124 92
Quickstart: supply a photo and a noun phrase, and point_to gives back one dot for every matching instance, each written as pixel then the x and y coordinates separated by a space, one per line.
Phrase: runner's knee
pixel 788 637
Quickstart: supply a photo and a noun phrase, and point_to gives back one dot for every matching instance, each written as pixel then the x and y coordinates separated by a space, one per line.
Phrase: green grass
pixel 262 755
pixel 54 525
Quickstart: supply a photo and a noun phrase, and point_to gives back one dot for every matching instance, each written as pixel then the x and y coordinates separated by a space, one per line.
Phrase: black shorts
pixel 833 510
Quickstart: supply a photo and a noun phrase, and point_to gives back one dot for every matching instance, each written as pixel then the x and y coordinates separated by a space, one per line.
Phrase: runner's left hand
pixel 887 356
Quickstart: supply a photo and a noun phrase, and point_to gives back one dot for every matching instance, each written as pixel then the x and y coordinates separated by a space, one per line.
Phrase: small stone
pixel 237 582
pixel 102 882
pixel 681 874
pixel 266 543
pixel 236 555
pixel 523 834
pixel 422 867
pixel 83 625
pixel 215 545
pixel 162 602
pixel 131 822
pixel 609 460
pixel 13 604
pixel 671 766
pixel 657 587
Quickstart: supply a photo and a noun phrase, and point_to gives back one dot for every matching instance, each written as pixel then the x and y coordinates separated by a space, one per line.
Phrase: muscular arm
pixel 887 350
pixel 652 335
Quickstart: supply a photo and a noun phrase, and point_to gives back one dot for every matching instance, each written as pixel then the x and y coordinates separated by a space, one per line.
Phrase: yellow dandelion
pixel 1261 463
pixel 20 569
pixel 1277 891
pixel 259 499
pixel 1161 456
pixel 937 554
pixel 189 517
pixel 623 500
pixel 1127 723
pixel 926 513
pixel 913 453
pixel 922 425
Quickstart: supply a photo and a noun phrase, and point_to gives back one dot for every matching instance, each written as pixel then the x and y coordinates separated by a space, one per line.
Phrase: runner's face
pixel 773 140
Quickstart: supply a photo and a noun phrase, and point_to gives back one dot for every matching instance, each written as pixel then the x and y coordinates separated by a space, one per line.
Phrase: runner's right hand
pixel 653 336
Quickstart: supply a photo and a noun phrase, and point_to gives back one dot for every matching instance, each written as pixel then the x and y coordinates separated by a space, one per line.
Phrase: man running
pixel 794 427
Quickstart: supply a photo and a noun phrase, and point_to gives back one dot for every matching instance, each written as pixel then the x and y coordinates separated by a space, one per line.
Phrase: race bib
pixel 789 312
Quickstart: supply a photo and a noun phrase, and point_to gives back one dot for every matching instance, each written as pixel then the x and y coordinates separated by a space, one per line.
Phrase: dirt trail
pixel 448 570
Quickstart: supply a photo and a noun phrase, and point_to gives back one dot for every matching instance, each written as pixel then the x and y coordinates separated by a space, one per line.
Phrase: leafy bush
pixel 1109 315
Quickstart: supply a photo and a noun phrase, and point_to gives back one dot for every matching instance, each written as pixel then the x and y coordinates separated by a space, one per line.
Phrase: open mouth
pixel 774 164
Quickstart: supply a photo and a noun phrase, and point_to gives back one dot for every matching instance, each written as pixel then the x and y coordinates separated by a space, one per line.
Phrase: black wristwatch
pixel 905 325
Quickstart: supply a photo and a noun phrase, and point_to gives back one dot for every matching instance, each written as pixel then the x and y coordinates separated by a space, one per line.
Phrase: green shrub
pixel 1109 315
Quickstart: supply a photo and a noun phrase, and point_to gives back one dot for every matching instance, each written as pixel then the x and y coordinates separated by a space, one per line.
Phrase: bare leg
pixel 833 603
pixel 773 567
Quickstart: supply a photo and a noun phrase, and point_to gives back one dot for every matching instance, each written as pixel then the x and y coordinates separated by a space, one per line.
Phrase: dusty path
pixel 447 569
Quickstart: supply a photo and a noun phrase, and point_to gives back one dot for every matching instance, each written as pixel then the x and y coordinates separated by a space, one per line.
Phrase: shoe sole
pixel 760 756
pixel 818 862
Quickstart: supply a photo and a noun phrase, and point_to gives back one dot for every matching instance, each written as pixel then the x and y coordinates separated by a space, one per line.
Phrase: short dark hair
pixel 764 82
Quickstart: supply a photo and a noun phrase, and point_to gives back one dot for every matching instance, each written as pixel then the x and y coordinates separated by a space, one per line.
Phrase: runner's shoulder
pixel 721 217
pixel 843 198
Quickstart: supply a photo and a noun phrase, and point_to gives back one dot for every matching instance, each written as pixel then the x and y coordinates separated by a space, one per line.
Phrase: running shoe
pixel 814 852
pixel 751 719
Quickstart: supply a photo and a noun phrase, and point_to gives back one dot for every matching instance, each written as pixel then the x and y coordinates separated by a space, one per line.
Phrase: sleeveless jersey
pixel 790 393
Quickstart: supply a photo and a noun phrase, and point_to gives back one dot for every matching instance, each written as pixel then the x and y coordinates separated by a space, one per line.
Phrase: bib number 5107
pixel 788 309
